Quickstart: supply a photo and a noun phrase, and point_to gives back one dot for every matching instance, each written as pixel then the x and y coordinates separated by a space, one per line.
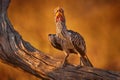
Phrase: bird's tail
pixel 85 60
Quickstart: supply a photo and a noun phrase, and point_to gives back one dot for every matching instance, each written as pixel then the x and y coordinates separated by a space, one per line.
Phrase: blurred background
pixel 98 21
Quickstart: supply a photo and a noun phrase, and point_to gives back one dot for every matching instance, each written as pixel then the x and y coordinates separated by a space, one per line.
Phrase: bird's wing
pixel 78 42
pixel 55 41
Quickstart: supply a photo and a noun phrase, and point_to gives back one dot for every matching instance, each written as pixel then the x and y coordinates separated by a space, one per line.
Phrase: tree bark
pixel 19 53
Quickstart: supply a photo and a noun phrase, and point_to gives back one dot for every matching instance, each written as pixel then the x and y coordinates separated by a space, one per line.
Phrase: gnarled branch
pixel 19 53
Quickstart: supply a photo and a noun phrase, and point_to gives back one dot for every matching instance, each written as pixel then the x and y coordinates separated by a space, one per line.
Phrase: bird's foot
pixel 79 66
pixel 81 63
pixel 65 64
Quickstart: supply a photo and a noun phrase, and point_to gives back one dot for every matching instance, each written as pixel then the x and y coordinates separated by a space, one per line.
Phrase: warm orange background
pixel 97 20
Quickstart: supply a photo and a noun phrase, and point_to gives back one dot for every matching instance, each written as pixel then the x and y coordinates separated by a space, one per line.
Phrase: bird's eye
pixel 57 11
pixel 61 10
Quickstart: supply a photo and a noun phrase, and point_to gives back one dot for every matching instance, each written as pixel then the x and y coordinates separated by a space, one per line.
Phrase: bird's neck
pixel 61 29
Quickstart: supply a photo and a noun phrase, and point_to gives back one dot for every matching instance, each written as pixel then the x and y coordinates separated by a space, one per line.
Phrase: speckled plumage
pixel 68 41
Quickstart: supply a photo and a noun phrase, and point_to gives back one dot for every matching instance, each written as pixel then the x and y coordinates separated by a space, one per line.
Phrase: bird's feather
pixel 78 42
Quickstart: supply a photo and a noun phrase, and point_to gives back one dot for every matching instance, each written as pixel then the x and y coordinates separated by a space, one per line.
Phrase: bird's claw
pixel 65 64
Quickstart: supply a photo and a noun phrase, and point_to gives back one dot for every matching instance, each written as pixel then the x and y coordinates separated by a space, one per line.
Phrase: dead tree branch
pixel 19 53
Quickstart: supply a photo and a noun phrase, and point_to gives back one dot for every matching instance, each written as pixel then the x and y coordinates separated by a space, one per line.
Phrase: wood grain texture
pixel 19 53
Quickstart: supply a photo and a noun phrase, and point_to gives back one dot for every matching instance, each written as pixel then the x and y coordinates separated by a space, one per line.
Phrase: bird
pixel 68 41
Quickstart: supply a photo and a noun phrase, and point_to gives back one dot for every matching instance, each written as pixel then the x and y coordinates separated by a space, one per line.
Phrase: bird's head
pixel 59 15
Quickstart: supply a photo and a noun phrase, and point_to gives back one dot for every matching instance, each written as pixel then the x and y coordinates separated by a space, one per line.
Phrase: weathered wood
pixel 19 53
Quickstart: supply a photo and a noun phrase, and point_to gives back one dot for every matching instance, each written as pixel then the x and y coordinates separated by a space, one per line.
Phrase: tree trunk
pixel 19 53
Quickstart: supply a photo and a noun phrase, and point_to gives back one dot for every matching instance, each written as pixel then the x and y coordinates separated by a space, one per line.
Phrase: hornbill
pixel 67 40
